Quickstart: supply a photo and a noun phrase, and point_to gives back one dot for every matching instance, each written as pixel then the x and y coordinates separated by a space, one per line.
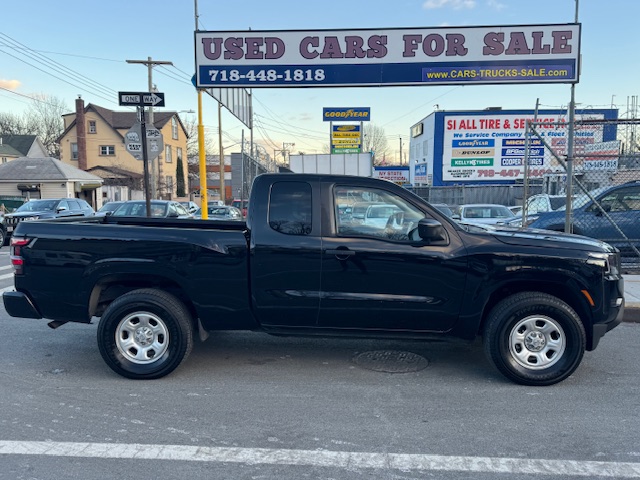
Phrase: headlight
pixel 530 220
pixel 610 262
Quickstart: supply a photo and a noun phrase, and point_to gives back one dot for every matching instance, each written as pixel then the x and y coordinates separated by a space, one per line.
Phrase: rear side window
pixel 290 208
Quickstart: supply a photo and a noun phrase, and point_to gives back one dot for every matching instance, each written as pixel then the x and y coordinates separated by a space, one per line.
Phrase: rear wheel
pixel 534 338
pixel 145 334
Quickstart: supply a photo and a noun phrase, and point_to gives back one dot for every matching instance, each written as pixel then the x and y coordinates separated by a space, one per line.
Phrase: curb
pixel 631 313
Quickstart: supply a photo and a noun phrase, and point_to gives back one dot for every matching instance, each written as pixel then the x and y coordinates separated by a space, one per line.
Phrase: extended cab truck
pixel 297 267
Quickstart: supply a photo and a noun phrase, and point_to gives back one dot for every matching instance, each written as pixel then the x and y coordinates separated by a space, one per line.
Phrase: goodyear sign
pixel 362 114
pixel 346 138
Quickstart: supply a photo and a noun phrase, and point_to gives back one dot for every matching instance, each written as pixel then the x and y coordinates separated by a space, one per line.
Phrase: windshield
pixel 109 207
pixel 37 206
pixel 582 199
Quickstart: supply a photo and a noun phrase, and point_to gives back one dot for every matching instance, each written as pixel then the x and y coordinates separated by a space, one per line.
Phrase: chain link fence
pixel 602 177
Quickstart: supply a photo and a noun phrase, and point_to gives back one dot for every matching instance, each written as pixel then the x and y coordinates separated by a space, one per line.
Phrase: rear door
pixel 285 254
pixel 383 277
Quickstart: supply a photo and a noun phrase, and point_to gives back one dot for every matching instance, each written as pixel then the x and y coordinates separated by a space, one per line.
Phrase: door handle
pixel 341 253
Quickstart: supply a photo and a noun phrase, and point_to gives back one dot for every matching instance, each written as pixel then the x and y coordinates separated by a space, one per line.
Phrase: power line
pixel 55 66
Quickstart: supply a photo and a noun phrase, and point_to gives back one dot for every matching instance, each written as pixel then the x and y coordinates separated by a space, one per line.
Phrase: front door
pixel 381 275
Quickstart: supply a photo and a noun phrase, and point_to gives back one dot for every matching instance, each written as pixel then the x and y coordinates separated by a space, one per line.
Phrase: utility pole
pixel 285 149
pixel 223 195
pixel 155 167
pixel 400 138
pixel 568 227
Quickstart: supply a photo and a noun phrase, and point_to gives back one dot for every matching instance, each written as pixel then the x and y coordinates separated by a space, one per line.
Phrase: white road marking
pixel 6 267
pixel 6 289
pixel 8 275
pixel 324 458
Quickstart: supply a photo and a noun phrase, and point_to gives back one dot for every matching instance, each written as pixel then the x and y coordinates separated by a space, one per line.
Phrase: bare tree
pixel 375 140
pixel 43 119
pixel 191 127
pixel 46 112
pixel 12 124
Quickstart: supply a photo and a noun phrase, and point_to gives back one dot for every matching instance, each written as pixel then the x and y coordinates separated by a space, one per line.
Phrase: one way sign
pixel 141 99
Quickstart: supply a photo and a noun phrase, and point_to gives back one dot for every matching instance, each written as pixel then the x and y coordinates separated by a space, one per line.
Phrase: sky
pixel 75 47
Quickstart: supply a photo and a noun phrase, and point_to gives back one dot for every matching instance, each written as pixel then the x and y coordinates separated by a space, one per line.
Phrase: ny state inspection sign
pixel 403 56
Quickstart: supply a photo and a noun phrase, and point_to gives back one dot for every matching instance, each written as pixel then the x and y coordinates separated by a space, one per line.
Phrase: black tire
pixel 534 338
pixel 145 334
pixel 2 238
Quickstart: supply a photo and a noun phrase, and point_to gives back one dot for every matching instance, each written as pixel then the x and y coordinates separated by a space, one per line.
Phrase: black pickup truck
pixel 300 265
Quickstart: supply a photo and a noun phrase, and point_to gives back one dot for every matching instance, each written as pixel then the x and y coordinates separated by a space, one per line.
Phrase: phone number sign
pixel 546 53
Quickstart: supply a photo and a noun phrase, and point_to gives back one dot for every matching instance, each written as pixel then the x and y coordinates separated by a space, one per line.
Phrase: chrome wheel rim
pixel 142 338
pixel 537 342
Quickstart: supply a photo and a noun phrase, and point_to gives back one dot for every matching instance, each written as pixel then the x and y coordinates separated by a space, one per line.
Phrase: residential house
pixel 16 146
pixel 93 140
pixel 27 178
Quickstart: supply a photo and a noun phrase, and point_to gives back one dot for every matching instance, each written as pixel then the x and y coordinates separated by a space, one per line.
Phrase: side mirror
pixel 60 209
pixel 455 216
pixel 431 230
pixel 173 215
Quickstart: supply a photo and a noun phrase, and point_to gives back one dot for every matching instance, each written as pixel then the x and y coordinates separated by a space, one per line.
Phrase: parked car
pixel 159 208
pixel 621 204
pixel 241 204
pixel 539 301
pixel 2 230
pixel 485 213
pixel 108 208
pixel 444 208
pixel 45 208
pixel 190 206
pixel 538 204
pixel 516 209
pixel 378 215
pixel 220 213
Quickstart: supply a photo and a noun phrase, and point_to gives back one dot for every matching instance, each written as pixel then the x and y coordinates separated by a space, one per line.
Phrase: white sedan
pixel 486 213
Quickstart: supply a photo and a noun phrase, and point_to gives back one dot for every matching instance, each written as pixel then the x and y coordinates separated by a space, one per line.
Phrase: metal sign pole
pixel 145 158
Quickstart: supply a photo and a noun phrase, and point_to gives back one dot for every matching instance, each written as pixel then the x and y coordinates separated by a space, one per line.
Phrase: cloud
pixel 455 4
pixel 9 84
pixel 496 5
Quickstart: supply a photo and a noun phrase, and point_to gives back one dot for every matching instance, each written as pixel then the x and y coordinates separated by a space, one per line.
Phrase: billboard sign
pixel 492 146
pixel 546 53
pixel 362 114
pixel 395 174
pixel 346 138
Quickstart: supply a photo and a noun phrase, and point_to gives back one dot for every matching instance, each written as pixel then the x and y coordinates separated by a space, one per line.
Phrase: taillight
pixel 17 243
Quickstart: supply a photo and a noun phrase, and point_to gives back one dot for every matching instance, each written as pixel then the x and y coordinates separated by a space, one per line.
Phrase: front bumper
pixel 613 316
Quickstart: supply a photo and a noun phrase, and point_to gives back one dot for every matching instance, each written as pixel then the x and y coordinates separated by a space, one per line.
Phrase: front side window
pixel 290 208
pixel 372 212
pixel 107 150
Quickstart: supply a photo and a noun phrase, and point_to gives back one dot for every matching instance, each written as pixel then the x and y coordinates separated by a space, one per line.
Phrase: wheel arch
pixel 557 287
pixel 109 287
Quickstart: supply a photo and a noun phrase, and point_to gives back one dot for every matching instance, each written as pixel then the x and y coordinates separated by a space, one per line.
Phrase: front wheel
pixel 145 334
pixel 534 338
